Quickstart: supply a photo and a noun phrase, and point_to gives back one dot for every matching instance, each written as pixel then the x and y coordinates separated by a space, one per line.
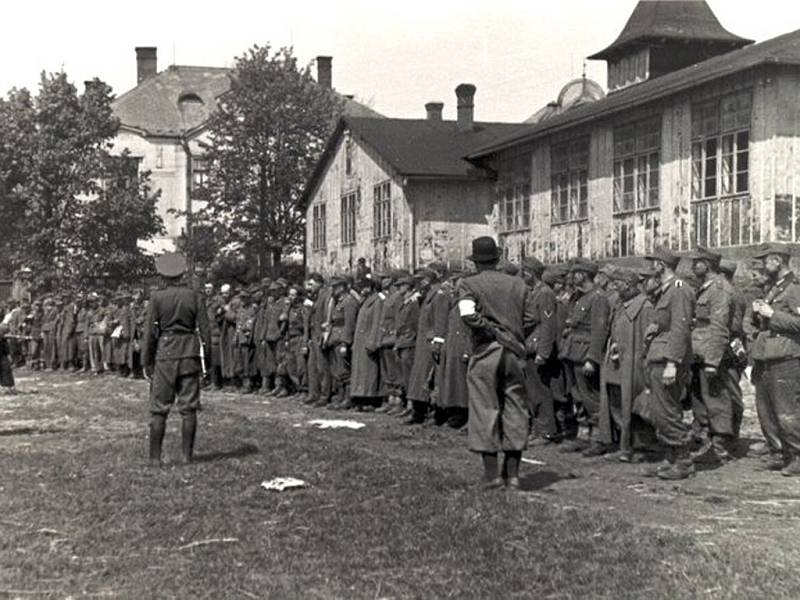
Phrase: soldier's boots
pixel 774 461
pixel 680 466
pixel 188 431
pixel 158 426
pixel 321 403
pixel 793 468
pixel 596 449
pixel 281 393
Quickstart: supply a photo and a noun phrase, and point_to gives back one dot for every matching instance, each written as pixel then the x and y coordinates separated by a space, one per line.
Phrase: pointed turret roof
pixel 688 20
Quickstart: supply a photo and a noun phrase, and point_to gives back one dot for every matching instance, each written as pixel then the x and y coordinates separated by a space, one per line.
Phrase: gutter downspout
pixel 188 209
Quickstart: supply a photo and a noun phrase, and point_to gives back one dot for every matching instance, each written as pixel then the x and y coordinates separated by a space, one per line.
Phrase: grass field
pixel 390 511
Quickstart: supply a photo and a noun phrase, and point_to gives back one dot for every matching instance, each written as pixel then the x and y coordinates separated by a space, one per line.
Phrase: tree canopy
pixel 264 140
pixel 69 209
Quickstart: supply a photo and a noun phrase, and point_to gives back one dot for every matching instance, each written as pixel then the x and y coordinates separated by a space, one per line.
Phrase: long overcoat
pixel 365 375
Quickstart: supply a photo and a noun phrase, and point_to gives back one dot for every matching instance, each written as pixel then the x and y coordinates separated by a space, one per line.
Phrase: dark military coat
pixel 674 312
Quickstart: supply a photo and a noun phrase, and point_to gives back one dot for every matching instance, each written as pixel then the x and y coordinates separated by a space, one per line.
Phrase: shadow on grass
pixel 241 451
pixel 540 480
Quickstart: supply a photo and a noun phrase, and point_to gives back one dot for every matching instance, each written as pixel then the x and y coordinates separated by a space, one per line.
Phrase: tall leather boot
pixel 158 425
pixel 188 430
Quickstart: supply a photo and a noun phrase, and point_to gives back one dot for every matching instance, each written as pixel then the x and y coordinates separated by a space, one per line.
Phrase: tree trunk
pixel 263 253
pixel 277 252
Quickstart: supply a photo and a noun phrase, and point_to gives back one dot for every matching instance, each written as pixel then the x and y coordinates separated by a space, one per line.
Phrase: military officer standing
pixel 171 354
pixel 776 356
pixel 340 341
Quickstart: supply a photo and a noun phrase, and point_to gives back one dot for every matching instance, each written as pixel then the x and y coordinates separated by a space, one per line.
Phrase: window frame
pixel 319 226
pixel 382 210
pixel 569 181
pixel 349 216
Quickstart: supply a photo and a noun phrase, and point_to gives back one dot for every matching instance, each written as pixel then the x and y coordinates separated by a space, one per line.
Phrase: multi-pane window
pixel 569 181
pixel 636 166
pixel 382 210
pixel 318 227
pixel 513 193
pixel 721 147
pixel 199 178
pixel 349 212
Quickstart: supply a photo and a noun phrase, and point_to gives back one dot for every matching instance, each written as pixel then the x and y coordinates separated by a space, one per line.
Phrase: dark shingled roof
pixel 784 49
pixel 152 106
pixel 417 148
pixel 691 20
pixel 424 148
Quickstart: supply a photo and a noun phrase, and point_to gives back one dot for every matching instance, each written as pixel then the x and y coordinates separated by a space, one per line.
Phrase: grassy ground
pixel 390 512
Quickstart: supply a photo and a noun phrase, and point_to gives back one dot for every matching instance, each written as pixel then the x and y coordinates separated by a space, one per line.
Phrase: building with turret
pixel 696 143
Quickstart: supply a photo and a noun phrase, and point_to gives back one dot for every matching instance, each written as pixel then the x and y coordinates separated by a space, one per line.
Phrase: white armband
pixel 466 307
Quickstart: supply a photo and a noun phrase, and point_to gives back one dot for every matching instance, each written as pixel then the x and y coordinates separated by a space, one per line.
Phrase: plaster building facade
pixel 696 143
pixel 398 193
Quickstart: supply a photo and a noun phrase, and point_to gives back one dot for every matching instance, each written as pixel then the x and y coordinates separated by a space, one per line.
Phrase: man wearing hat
pixel 49 327
pixel 387 337
pixel 244 347
pixel 668 358
pixel 583 349
pixel 214 315
pixel 430 340
pixel 622 377
pixel 120 325
pixel 499 312
pixel 339 341
pixel 365 386
pixel 171 354
pixel 406 325
pixel 319 372
pixel 274 370
pixel 542 364
pixel 716 395
pixel 776 354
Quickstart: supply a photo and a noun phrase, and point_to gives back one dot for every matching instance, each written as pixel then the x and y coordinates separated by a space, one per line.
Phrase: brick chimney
pixel 465 94
pixel 434 110
pixel 146 63
pixel 325 71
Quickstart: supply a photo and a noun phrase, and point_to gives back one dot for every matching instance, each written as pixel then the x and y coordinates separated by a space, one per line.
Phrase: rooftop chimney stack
pixel 325 71
pixel 146 63
pixel 465 94
pixel 434 110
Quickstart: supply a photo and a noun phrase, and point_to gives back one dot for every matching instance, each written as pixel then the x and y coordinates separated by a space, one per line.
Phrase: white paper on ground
pixel 533 461
pixel 280 484
pixel 336 424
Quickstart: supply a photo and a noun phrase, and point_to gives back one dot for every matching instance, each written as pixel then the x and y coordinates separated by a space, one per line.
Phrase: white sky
pixel 395 55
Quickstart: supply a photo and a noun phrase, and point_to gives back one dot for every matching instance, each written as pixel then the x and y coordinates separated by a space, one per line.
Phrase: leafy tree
pixel 267 134
pixel 69 210
pixel 120 211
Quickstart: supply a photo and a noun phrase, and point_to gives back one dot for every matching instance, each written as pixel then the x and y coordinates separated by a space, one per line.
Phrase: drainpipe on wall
pixel 189 233
pixel 412 216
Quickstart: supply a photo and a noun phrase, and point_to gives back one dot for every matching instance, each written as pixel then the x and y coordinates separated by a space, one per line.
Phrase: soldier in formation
pixel 603 360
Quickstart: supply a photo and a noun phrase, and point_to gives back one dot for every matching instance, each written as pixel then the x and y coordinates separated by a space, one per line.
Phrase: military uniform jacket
pixel 587 327
pixel 273 317
pixel 245 322
pixel 407 321
pixel 542 339
pixel 779 337
pixel 738 309
pixel 388 320
pixel 343 321
pixel 83 320
pixel 712 323
pixel 318 314
pixel 69 319
pixel 672 326
pixel 175 315
pixel 50 320
pixel 296 321
pixel 214 316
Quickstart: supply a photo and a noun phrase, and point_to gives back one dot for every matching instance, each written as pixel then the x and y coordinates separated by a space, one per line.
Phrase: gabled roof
pixel 152 107
pixel 415 148
pixel 687 20
pixel 784 49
